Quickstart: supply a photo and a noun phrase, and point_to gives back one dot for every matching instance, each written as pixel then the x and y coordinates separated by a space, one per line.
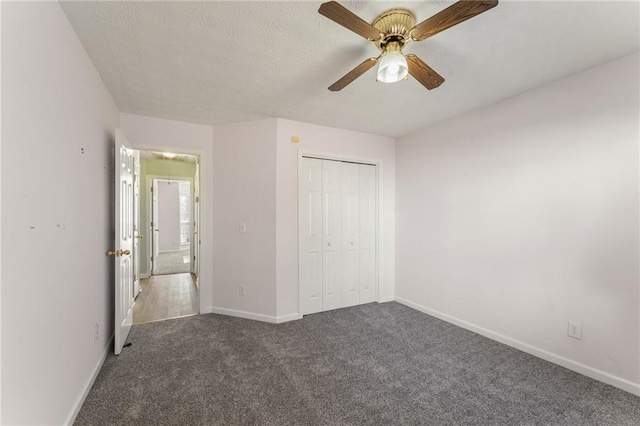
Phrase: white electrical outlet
pixel 243 290
pixel 96 332
pixel 575 330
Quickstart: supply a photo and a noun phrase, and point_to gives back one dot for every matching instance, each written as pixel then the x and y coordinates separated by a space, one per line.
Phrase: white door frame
pixel 349 158
pixel 195 240
pixel 205 274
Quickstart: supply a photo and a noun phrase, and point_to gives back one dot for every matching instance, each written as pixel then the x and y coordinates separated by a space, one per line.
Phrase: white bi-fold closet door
pixel 337 234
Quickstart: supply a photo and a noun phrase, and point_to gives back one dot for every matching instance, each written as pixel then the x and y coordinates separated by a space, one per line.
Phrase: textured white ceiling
pixel 219 62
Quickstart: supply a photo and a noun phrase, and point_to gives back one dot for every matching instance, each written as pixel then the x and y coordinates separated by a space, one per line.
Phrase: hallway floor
pixel 164 297
pixel 173 262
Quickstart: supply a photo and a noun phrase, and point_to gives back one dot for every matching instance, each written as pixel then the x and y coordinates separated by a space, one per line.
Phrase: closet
pixel 337 228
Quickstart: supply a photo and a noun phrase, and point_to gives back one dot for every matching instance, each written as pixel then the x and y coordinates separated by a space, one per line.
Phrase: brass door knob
pixel 125 252
pixel 113 253
pixel 139 236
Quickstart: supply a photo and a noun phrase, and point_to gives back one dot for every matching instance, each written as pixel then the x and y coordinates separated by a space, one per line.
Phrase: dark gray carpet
pixel 377 364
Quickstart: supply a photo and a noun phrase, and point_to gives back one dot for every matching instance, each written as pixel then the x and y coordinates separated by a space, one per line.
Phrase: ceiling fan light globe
pixel 392 67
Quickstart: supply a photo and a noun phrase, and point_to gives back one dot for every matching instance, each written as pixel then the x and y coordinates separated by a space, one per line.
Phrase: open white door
pixel 155 230
pixel 124 271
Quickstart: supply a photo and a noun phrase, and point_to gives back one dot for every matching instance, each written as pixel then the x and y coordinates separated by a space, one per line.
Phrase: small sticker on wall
pixel 295 139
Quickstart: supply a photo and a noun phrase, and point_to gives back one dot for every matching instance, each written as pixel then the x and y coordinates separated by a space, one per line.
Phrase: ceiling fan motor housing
pixel 395 25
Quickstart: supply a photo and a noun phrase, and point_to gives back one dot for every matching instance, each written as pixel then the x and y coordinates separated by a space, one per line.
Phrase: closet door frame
pixel 348 158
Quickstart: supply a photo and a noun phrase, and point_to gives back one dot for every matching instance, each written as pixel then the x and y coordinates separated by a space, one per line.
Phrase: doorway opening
pixel 168 240
pixel 171 226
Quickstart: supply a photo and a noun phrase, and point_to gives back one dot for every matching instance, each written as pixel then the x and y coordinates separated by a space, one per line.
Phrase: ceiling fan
pixel 391 31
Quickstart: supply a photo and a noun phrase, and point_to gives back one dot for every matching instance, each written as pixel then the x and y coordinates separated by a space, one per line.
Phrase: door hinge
pixel 152 224
pixel 152 258
pixel 151 189
pixel 194 258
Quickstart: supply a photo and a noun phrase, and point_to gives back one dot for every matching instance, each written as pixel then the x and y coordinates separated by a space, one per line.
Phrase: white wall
pixel 256 182
pixel 245 191
pixel 168 216
pixel 521 216
pixel 149 133
pixel 334 141
pixel 57 179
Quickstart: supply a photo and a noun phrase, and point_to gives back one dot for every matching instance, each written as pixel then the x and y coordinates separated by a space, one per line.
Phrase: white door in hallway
pixel 155 226
pixel 123 254
pixel 337 230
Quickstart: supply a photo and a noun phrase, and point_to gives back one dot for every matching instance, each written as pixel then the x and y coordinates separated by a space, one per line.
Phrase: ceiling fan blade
pixel 353 74
pixel 423 72
pixel 454 14
pixel 343 16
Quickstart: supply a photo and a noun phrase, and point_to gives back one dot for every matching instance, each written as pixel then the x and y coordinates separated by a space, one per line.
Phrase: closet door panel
pixel 332 234
pixel 311 236
pixel 367 233
pixel 338 224
pixel 350 236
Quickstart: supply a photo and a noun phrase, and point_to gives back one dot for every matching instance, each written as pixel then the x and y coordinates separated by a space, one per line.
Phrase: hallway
pixel 166 296
pixel 173 262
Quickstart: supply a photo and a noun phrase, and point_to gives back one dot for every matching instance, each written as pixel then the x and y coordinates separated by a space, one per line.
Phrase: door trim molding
pixel 205 274
pixel 379 164
pixel 149 210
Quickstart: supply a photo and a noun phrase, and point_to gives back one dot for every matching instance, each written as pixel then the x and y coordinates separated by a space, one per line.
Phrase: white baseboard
pixel 206 310
pixel 585 370
pixel 250 315
pixel 386 299
pixel 87 387
pixel 287 318
pixel 243 314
